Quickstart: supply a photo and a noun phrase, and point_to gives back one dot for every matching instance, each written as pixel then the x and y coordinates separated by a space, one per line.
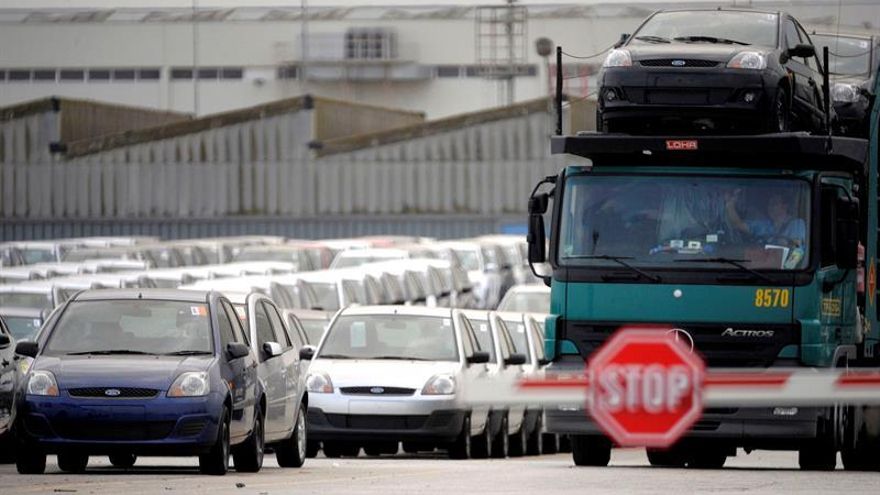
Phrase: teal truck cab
pixel 755 251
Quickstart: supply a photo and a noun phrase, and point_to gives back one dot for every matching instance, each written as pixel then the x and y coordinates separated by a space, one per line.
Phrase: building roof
pixel 60 104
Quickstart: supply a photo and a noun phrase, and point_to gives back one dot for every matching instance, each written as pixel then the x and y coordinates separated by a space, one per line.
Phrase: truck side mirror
pixel 847 233
pixel 537 239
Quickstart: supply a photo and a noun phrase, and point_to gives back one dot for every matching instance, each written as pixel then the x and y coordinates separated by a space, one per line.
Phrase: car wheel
pixel 312 448
pixel 30 461
pixel 535 443
pixel 291 453
pixel 500 443
pixel 461 447
pixel 551 443
pixel 340 449
pixel 481 445
pixel 780 112
pixel 517 441
pixel 248 456
pixel 564 443
pixel 410 447
pixel 124 461
pixel 673 458
pixel 72 462
pixel 590 450
pixel 817 457
pixel 216 461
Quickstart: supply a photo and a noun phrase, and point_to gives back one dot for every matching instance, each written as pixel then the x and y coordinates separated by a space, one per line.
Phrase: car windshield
pixel 470 259
pixel 753 28
pixel 326 296
pixel 314 329
pixel 846 56
pixel 526 302
pixel 23 328
pixel 34 255
pixel 422 338
pixel 358 260
pixel 37 300
pixel 687 222
pixel 263 254
pixel 142 326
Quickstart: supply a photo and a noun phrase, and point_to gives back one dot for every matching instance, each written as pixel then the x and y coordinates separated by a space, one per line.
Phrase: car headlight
pixel 319 383
pixel 42 383
pixel 618 58
pixel 748 60
pixel 440 385
pixel 845 93
pixel 190 384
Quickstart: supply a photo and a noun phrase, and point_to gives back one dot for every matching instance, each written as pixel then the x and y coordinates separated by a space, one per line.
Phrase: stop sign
pixel 645 387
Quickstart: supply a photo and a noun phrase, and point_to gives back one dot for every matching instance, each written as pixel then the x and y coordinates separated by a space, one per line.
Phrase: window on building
pixel 288 72
pixel 2 75
pixel 181 73
pixel 370 44
pixel 448 71
pixel 73 75
pixel 208 73
pixel 148 74
pixel 19 75
pixel 99 75
pixel 123 74
pixel 45 75
pixel 231 73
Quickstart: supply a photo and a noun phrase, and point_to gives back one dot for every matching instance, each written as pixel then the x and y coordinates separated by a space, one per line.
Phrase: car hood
pixel 120 371
pixel 716 52
pixel 381 372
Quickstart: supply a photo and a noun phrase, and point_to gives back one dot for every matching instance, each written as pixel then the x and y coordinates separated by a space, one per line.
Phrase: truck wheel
pixel 499 442
pixel 124 461
pixel 817 457
pixel 461 447
pixel 672 458
pixel 291 453
pixel 707 459
pixel 216 461
pixel 30 461
pixel 564 443
pixel 590 450
pixel 535 443
pixel 72 462
pixel 248 457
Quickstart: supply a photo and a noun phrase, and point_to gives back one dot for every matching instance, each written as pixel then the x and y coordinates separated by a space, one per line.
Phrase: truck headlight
pixel 748 60
pixel 440 385
pixel 618 58
pixel 190 384
pixel 844 93
pixel 42 383
pixel 319 383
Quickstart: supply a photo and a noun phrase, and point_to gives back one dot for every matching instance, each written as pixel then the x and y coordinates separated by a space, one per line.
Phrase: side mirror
pixel 478 357
pixel 537 240
pixel 27 348
pixel 236 350
pixel 515 359
pixel 272 349
pixel 624 37
pixel 543 362
pixel 802 50
pixel 307 352
pixel 4 340
pixel 847 233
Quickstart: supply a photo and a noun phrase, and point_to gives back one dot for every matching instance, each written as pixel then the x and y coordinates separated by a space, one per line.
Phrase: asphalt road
pixel 759 472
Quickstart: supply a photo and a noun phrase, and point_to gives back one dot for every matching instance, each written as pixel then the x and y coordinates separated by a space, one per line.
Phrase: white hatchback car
pixel 389 374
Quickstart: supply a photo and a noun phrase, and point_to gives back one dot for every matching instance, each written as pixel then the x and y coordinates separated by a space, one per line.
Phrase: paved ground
pixel 759 472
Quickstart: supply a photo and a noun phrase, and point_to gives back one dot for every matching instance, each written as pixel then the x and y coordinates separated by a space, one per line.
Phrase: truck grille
pixel 719 351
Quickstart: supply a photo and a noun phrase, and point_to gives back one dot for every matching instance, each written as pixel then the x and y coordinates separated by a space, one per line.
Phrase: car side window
pixel 237 330
pixel 281 335
pixel 467 341
pixel 539 341
pixel 812 62
pixel 504 343
pixel 264 328
pixel 227 336
pixel 792 37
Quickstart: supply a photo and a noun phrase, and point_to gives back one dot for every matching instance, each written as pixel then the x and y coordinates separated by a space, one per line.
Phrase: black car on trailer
pixel 740 71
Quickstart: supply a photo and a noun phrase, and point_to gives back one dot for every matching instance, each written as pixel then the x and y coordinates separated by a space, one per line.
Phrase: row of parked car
pixel 253 355
pixel 737 71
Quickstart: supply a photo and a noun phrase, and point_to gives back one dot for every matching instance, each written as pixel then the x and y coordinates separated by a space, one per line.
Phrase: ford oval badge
pixel 678 63
pixel 112 392
pixel 377 390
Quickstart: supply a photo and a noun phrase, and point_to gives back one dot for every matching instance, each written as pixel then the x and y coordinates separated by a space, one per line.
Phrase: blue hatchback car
pixel 140 372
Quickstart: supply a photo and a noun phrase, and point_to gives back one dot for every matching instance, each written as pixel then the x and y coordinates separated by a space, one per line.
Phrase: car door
pixel 817 98
pixel 8 376
pixel 294 381
pixel 505 348
pixel 802 80
pixel 469 345
pixel 270 367
pixel 241 373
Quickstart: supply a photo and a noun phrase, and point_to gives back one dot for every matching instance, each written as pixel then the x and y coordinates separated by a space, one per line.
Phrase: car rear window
pixel 139 326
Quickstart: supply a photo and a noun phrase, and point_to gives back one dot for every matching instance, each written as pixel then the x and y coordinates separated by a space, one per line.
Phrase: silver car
pixel 389 374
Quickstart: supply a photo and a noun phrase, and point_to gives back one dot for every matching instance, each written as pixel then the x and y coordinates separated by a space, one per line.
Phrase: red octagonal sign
pixel 645 387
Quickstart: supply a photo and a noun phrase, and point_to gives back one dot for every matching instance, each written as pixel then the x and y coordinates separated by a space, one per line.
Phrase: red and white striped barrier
pixel 719 388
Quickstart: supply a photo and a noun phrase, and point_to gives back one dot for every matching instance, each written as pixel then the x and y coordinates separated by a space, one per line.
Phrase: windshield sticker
pixel 198 310
pixel 358 334
pixel 241 312
pixel 694 245
pixel 36 322
pixel 484 327
pixel 676 243
pixel 520 328
pixel 711 237
pixel 447 322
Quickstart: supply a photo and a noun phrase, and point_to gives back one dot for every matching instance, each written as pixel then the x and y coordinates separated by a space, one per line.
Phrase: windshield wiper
pixel 401 358
pixel 335 356
pixel 732 262
pixel 618 260
pixel 709 39
pixel 652 39
pixel 188 352
pixel 111 351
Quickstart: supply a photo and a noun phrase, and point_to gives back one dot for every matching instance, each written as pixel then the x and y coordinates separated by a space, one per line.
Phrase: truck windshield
pixel 685 222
